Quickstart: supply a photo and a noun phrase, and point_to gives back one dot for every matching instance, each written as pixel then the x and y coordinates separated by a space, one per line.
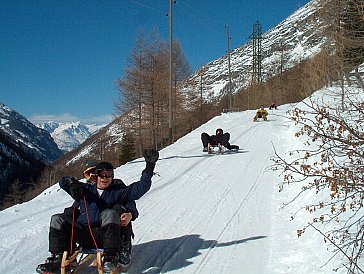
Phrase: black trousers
pixel 214 141
pixel 108 237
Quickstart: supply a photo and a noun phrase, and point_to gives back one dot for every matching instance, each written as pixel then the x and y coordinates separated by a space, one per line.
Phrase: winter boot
pixel 51 265
pixel 124 256
pixel 109 263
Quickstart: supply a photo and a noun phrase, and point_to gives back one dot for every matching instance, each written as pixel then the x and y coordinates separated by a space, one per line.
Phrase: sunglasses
pixel 105 174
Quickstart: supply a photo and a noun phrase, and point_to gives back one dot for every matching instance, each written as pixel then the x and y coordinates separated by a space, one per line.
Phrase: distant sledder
pixel 261 113
pixel 219 140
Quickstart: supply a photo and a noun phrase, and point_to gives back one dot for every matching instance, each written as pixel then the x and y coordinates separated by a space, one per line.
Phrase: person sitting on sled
pixel 220 138
pixel 261 113
pixel 127 213
pixel 273 105
pixel 98 225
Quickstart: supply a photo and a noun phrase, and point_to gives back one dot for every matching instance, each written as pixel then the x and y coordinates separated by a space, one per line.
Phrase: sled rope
pixel 89 225
pixel 73 227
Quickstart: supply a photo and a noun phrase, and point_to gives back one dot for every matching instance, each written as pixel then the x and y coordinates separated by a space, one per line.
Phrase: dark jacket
pixel 115 194
pixel 129 207
pixel 215 140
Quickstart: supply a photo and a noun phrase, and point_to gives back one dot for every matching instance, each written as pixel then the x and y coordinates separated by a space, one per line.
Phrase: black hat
pixel 104 166
pixel 89 164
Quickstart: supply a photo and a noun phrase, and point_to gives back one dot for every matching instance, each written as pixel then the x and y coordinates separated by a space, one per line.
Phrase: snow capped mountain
pixel 297 38
pixel 24 148
pixel 69 135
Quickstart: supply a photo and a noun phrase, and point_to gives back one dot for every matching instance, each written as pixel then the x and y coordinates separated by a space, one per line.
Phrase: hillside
pixel 301 33
pixel 24 149
pixel 294 40
pixel 203 214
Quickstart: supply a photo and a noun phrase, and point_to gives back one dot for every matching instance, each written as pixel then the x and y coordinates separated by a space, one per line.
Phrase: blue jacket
pixel 129 207
pixel 114 194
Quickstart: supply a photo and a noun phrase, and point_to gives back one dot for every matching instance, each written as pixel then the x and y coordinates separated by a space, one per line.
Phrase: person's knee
pixel 225 139
pixel 57 221
pixel 109 216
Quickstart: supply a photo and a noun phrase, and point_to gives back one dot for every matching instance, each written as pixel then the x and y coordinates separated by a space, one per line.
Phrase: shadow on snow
pixel 166 255
pixel 205 154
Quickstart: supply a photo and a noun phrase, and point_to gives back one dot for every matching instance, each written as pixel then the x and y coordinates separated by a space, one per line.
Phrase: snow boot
pixel 234 147
pixel 51 265
pixel 124 256
pixel 109 263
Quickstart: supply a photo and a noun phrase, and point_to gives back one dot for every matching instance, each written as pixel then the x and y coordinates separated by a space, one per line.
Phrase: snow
pixel 203 214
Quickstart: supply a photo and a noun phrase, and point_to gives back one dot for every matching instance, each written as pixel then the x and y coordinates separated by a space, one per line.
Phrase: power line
pixel 146 6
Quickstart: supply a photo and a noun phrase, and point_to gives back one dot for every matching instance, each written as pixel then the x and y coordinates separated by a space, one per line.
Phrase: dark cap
pixel 103 166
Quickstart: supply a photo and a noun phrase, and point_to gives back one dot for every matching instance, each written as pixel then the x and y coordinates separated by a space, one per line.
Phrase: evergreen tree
pixel 127 149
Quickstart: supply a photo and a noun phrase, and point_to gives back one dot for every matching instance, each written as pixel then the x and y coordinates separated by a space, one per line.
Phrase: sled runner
pixel 219 149
pixel 81 260
pixel 78 261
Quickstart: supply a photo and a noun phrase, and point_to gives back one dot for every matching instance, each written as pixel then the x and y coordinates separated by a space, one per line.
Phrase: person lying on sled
pixel 220 138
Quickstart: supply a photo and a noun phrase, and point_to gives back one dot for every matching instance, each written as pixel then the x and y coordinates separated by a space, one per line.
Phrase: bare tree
pixel 332 163
pixel 144 88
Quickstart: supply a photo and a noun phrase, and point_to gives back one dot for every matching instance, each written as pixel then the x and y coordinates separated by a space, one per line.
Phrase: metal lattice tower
pixel 257 53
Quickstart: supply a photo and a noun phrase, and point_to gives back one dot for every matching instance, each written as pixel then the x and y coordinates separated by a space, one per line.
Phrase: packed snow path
pixel 203 214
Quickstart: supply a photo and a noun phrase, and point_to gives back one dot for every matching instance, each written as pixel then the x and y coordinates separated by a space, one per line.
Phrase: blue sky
pixel 59 60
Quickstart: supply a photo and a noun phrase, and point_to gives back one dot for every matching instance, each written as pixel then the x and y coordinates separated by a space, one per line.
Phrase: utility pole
pixel 201 98
pixel 170 116
pixel 228 42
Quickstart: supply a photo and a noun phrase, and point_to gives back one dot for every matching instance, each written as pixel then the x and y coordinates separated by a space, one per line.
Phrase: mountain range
pixel 68 136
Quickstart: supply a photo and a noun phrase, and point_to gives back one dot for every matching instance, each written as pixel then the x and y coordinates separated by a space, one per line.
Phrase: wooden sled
pixel 87 256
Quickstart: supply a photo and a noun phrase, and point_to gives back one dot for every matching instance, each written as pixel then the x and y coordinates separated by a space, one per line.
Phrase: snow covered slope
pixel 203 214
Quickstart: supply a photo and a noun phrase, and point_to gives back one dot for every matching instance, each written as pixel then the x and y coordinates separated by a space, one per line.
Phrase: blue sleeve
pixel 136 190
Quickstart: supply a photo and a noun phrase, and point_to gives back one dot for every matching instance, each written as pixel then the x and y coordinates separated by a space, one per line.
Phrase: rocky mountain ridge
pixel 69 136
pixel 24 149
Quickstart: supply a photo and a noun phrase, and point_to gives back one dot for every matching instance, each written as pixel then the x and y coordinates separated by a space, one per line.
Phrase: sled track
pixel 249 194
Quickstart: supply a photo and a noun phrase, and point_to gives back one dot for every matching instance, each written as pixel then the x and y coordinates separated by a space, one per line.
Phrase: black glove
pixel 151 155
pixel 77 189
pixel 68 181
